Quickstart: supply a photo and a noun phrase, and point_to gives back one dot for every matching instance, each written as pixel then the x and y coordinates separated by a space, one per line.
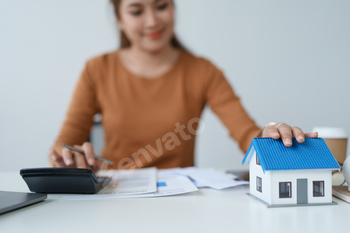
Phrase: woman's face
pixel 148 24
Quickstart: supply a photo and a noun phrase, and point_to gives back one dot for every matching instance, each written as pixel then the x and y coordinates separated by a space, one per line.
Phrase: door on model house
pixel 301 191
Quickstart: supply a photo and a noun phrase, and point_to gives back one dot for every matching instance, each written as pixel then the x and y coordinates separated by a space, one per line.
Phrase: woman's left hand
pixel 284 131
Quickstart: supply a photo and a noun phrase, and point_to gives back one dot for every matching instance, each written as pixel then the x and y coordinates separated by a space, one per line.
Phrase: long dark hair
pixel 125 42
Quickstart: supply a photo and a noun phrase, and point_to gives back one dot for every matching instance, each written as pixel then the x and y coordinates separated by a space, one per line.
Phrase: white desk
pixel 208 210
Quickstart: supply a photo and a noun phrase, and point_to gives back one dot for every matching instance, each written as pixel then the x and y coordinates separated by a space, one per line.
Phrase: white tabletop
pixel 207 210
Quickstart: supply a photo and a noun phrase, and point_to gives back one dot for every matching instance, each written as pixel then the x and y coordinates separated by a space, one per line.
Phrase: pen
pixel 82 152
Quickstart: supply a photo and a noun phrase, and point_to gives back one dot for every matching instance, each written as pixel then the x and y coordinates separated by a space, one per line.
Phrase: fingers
pixel 71 158
pixel 311 135
pixel 89 153
pixel 53 155
pixel 67 155
pixel 56 158
pixel 284 131
pixel 286 134
pixel 298 134
pixel 80 161
pixel 59 162
pixel 271 131
pixel 97 166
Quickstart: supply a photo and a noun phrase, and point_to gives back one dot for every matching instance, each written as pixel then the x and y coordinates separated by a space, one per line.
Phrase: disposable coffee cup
pixel 336 139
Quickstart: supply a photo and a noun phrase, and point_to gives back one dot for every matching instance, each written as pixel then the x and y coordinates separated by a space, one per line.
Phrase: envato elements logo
pixel 170 140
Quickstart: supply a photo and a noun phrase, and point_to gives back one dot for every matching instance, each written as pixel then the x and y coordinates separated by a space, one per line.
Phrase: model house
pixel 289 176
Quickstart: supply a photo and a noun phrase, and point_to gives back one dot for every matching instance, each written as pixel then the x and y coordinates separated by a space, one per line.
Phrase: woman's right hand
pixel 71 158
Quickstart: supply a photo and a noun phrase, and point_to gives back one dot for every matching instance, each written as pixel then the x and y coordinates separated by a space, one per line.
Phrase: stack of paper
pixel 341 192
pixel 139 183
pixel 150 182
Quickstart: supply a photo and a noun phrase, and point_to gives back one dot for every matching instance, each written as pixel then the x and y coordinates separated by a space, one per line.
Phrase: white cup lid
pixel 330 132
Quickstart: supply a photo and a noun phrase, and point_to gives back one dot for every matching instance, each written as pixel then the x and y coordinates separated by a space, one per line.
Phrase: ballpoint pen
pixel 82 152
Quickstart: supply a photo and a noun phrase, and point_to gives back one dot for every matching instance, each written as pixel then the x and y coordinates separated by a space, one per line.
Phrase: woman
pixel 151 93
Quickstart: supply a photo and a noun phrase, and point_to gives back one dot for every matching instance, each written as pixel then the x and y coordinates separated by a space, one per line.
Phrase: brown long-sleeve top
pixel 151 122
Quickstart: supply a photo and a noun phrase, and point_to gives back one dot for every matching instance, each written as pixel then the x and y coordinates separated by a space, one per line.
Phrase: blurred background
pixel 288 61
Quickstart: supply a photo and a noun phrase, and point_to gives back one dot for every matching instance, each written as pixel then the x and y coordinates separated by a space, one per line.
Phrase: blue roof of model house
pixel 273 155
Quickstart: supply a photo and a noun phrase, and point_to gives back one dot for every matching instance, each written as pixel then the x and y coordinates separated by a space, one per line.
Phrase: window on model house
pixel 259 184
pixel 285 189
pixel 318 187
pixel 257 160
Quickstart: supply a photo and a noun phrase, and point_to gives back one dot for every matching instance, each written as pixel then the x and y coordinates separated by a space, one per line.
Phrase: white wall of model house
pixel 271 179
pixel 256 171
pixel 292 176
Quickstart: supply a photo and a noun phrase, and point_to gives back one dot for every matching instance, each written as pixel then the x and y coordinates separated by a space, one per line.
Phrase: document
pixel 212 179
pixel 128 182
pixel 166 185
pixel 178 172
pixel 150 182
pixel 203 177
pixel 171 185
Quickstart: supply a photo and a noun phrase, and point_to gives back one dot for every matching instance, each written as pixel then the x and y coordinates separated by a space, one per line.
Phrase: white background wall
pixel 287 60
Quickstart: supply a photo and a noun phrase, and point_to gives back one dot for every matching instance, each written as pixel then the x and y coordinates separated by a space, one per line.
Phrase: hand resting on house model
pixel 286 132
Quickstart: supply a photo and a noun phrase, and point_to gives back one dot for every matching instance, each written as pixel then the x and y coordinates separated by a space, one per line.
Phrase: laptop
pixel 14 200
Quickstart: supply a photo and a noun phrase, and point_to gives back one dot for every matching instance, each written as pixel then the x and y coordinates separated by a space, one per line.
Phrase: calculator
pixel 63 180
